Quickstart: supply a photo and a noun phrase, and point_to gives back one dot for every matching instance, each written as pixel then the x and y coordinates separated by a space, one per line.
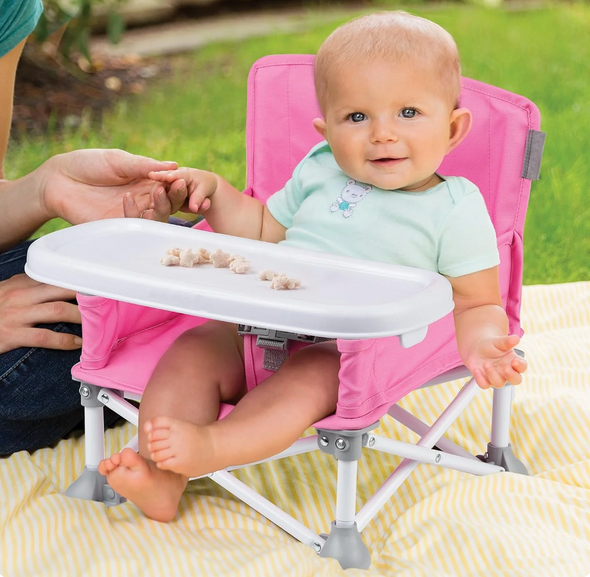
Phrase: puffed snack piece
pixel 220 259
pixel 239 266
pixel 283 282
pixel 172 257
pixel 267 274
pixel 185 257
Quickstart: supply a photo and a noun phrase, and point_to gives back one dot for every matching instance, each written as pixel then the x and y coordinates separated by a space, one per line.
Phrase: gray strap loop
pixel 533 155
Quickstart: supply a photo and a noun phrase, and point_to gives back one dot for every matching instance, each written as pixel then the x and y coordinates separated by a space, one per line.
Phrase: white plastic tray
pixel 340 296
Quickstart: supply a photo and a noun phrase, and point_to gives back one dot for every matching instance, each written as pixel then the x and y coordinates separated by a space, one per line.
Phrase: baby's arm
pixel 226 209
pixel 481 326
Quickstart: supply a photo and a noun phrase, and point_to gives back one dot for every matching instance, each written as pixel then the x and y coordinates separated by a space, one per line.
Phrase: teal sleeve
pixel 284 203
pixel 18 19
pixel 467 239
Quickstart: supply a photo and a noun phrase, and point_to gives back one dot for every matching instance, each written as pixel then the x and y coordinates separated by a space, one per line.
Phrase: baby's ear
pixel 320 125
pixel 460 125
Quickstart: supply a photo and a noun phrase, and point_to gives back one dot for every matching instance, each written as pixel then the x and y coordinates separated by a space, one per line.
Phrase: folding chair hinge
pixel 344 445
pixel 89 395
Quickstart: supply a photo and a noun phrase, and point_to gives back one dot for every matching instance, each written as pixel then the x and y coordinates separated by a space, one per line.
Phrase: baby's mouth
pixel 386 161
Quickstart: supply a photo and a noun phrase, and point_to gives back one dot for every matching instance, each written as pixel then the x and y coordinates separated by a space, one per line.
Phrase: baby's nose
pixel 384 131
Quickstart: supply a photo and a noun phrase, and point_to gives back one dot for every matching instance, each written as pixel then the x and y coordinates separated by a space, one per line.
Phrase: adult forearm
pixel 21 209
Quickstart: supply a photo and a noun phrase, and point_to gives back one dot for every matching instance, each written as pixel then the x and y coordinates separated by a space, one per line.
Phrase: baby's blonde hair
pixel 392 36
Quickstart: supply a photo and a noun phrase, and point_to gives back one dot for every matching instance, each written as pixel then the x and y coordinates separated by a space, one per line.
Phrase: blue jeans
pixel 39 401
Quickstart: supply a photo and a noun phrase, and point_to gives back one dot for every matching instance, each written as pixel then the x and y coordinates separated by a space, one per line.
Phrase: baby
pixel 388 89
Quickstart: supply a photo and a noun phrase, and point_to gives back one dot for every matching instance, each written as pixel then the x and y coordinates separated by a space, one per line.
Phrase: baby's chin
pixel 378 176
pixel 396 182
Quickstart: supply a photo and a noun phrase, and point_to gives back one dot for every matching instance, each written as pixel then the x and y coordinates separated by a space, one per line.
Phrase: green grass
pixel 198 118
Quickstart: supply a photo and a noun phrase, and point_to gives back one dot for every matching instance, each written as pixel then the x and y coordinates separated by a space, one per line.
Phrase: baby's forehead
pixel 356 74
pixel 348 79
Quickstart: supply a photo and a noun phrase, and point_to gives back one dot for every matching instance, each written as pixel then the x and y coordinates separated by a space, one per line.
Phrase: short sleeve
pixel 18 19
pixel 467 239
pixel 284 203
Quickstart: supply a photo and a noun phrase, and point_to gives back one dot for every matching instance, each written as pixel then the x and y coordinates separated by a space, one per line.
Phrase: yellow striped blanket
pixel 440 524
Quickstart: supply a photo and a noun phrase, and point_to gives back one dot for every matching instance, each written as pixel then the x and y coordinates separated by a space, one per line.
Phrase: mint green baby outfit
pixel 445 229
pixel 18 19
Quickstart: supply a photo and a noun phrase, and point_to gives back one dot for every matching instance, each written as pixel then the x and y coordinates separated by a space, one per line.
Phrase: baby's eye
pixel 408 112
pixel 357 117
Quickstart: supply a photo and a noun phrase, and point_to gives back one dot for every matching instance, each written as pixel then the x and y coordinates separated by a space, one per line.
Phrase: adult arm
pixel 8 64
pixel 78 186
pixel 481 326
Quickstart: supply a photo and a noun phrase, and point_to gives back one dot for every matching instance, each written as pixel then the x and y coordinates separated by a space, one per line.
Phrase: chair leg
pixel 344 542
pixel 91 485
pixel 499 449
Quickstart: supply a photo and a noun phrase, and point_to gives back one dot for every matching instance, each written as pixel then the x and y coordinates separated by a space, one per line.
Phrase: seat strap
pixel 276 344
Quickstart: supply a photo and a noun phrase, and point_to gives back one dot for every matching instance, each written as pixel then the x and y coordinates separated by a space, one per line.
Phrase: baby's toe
pixel 158 445
pixel 103 468
pixel 162 455
pixel 115 459
pixel 159 434
pixel 158 423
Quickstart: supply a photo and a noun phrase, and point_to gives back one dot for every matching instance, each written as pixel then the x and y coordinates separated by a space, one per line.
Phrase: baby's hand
pixel 200 185
pixel 493 362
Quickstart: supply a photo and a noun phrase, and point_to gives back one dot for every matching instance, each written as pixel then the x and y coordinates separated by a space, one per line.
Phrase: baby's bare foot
pixel 110 464
pixel 182 447
pixel 157 493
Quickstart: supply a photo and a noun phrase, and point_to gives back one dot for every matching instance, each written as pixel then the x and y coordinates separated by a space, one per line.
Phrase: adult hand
pixel 86 185
pixel 165 201
pixel 25 303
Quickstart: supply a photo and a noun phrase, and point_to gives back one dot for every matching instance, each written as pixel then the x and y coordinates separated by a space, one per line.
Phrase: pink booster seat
pixel 375 373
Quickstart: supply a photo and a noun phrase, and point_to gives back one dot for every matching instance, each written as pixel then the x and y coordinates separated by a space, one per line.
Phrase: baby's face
pixel 388 125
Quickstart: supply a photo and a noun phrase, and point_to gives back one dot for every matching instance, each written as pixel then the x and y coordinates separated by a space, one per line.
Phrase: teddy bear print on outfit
pixel 350 196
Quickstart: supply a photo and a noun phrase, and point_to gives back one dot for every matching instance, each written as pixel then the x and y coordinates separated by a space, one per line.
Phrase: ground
pixel 50 96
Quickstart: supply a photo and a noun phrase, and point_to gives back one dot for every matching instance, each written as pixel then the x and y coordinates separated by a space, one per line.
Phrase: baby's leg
pixel 202 368
pixel 266 421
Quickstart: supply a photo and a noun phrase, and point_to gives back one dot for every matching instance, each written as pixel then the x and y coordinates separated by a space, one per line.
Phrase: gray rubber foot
pixel 346 546
pixel 93 486
pixel 504 457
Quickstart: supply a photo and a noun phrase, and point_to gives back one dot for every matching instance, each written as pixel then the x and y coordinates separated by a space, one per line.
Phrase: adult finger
pixel 130 208
pixel 51 293
pixel 132 166
pixel 46 339
pixel 50 312
pixel 18 281
pixel 26 292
